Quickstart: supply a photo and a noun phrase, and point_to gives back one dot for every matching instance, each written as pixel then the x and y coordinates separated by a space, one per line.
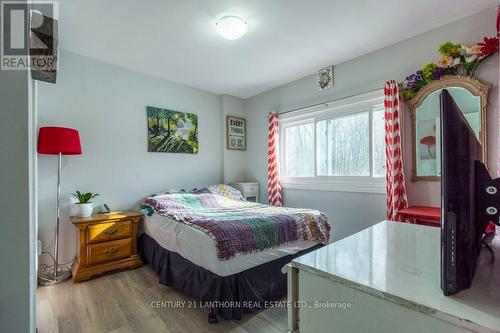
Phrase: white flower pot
pixel 82 210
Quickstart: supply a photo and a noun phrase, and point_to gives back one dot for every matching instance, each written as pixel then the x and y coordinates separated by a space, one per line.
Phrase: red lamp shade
pixel 55 140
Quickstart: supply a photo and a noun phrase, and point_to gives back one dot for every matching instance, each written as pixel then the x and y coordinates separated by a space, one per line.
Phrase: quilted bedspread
pixel 240 227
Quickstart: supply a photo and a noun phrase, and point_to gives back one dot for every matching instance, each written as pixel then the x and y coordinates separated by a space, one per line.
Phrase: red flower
pixel 489 46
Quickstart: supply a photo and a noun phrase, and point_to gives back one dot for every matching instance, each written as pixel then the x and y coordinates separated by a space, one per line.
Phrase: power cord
pixel 44 268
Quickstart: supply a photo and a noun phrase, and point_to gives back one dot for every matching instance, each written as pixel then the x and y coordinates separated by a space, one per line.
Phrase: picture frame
pixel 236 133
pixel 325 78
pixel 171 131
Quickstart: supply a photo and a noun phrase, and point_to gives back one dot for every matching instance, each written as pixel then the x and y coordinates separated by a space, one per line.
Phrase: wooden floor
pixel 121 302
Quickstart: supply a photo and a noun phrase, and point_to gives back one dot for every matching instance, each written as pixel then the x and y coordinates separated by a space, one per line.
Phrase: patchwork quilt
pixel 240 227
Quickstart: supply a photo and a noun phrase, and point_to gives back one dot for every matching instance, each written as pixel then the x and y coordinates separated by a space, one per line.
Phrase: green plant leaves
pixel 84 197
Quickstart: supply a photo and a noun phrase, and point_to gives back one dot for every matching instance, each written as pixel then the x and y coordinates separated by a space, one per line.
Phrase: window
pixel 340 147
pixel 300 150
pixel 378 133
pixel 343 145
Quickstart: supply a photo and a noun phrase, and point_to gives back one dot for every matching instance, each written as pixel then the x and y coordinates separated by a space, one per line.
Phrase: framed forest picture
pixel 236 133
pixel 172 131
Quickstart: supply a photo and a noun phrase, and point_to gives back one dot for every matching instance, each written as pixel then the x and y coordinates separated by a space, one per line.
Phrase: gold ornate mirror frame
pixel 476 88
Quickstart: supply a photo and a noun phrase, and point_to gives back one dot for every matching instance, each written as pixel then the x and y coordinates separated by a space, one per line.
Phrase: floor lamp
pixel 57 141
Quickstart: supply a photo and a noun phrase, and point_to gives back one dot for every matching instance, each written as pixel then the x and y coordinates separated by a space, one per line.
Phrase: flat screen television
pixel 460 232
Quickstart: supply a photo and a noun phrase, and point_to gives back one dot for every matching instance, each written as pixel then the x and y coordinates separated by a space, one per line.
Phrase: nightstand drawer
pixel 106 251
pixel 108 231
pixel 250 189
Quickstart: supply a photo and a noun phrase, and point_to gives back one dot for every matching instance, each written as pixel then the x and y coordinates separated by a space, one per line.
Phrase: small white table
pixel 387 279
pixel 249 190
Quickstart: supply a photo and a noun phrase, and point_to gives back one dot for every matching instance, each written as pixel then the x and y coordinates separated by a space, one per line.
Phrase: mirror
pixel 470 95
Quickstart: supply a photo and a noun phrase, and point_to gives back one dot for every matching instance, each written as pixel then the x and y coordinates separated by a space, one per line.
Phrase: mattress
pixel 199 248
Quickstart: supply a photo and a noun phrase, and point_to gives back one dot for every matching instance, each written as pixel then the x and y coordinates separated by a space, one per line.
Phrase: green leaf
pixel 84 197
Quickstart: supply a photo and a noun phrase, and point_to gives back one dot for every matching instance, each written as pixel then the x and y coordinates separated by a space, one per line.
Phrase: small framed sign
pixel 324 78
pixel 236 133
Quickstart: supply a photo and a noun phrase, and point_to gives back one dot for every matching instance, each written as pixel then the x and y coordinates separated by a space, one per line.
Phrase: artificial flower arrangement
pixel 456 59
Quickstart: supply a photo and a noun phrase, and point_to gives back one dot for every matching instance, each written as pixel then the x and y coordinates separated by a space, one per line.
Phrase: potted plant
pixel 83 207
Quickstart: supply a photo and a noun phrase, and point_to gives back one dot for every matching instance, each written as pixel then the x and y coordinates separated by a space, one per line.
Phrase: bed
pixel 223 251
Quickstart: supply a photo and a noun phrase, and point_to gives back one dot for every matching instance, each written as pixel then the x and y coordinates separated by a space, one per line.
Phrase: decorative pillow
pixel 146 209
pixel 169 191
pixel 224 190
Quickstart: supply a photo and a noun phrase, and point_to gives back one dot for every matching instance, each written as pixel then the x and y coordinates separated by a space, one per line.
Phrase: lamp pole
pixel 56 242
pixel 57 276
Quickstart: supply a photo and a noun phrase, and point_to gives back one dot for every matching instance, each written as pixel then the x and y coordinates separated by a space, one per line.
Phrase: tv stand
pixel 387 279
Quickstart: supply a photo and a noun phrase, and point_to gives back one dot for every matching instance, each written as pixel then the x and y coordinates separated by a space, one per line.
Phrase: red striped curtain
pixel 273 169
pixel 395 179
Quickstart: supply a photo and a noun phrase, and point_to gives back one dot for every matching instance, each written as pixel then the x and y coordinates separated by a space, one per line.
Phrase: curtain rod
pixel 326 103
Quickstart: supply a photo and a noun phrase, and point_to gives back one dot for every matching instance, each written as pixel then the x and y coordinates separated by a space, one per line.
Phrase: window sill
pixel 369 186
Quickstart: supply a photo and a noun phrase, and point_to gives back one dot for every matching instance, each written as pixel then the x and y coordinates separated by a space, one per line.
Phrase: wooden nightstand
pixel 105 242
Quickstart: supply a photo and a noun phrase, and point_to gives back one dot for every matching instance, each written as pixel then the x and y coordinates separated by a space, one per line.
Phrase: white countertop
pixel 400 262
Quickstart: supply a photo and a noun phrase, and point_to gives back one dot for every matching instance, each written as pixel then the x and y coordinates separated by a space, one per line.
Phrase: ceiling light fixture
pixel 232 27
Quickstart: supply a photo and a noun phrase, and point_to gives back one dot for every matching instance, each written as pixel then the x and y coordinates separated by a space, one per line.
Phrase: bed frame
pixel 225 296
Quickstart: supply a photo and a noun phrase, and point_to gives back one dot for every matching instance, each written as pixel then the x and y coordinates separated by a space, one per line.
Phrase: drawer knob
pixel 110 232
pixel 111 251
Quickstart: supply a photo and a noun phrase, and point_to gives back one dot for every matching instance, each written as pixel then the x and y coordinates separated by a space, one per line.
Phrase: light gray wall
pixel 107 104
pixel 234 160
pixel 351 212
pixel 17 237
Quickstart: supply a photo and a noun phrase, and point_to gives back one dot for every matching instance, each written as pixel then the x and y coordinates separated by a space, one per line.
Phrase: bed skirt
pixel 230 296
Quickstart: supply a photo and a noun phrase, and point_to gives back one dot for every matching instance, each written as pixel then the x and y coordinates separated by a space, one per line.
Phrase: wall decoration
pixel 325 78
pixel 456 59
pixel 172 131
pixel 428 158
pixel 43 47
pixel 427 139
pixel 236 133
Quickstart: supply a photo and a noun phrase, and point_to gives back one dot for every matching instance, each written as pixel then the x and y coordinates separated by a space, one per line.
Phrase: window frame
pixel 367 102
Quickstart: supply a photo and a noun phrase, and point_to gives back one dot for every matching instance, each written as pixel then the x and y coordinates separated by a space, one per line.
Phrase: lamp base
pixel 48 279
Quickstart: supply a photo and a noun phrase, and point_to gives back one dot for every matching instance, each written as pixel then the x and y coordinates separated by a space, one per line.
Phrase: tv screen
pixel 460 244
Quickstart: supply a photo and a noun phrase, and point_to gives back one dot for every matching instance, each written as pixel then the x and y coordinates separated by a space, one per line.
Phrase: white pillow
pixel 224 190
